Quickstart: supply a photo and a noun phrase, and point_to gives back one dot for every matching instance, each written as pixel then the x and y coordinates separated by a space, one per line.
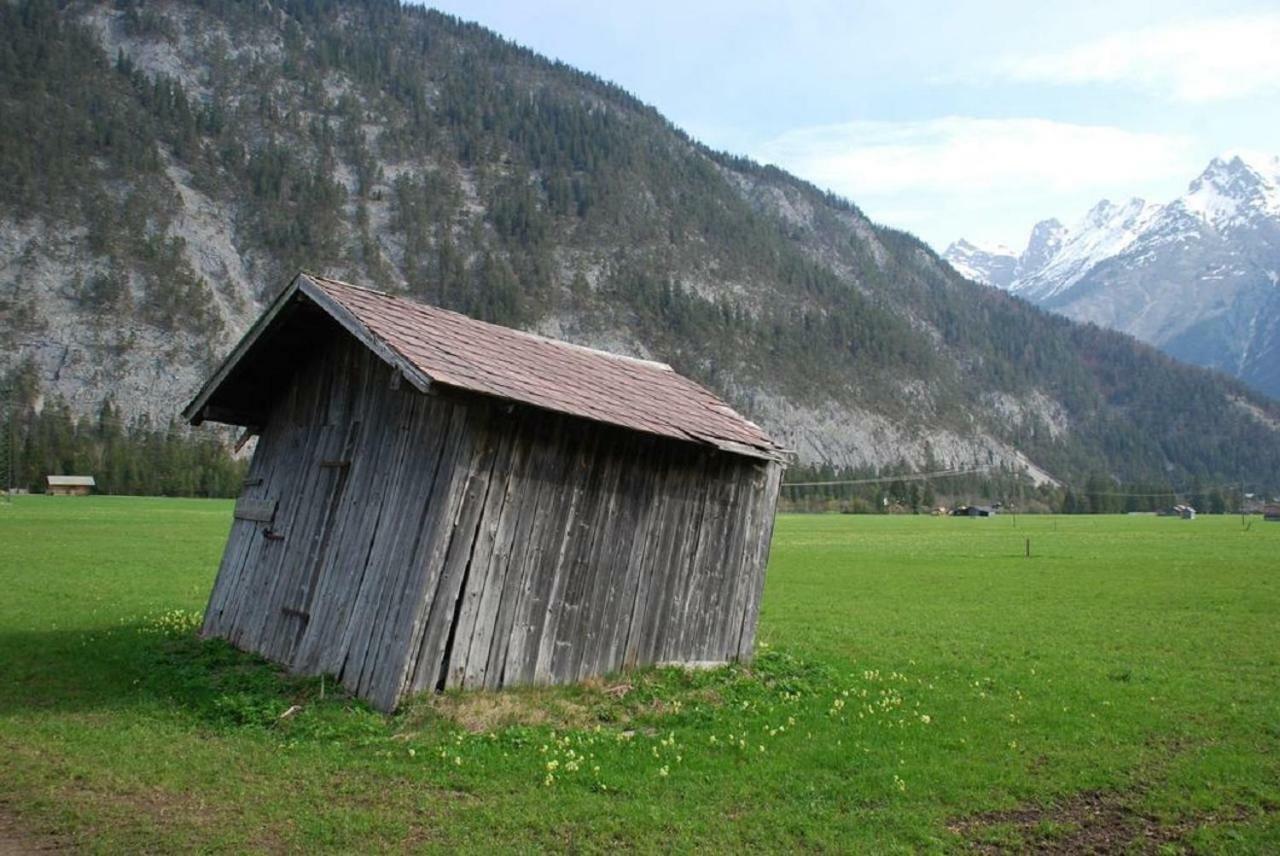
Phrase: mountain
pixel 1196 277
pixel 994 265
pixel 166 166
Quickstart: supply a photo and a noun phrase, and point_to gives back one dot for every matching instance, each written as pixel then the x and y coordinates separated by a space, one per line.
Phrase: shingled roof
pixel 436 347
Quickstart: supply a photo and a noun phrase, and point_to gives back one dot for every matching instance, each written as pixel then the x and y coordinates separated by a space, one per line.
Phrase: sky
pixel 945 119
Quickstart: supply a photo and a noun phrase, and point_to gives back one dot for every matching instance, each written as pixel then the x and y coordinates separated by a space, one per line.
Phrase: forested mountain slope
pixel 167 166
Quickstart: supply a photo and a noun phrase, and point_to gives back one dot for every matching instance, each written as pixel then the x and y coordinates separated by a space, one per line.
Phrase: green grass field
pixel 921 685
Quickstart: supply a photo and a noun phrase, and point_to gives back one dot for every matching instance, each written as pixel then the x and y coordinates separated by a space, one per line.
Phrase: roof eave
pixel 353 325
pixel 775 454
pixel 194 411
pixel 302 284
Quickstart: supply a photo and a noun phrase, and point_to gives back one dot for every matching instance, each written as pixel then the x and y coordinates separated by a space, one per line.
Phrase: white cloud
pixel 984 179
pixel 960 154
pixel 1196 61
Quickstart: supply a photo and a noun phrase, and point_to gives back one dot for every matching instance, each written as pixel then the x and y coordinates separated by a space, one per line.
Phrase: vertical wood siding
pixel 422 542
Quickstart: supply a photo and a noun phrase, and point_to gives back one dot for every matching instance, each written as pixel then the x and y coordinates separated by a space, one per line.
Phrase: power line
pixel 1174 492
pixel 1170 492
pixel 904 478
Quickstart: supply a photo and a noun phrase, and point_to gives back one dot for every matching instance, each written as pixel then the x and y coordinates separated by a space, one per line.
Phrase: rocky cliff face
pixel 176 162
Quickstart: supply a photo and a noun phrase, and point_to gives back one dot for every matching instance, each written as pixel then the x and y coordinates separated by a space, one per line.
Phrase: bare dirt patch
pixel 597 702
pixel 1088 822
pixel 17 840
pixel 480 711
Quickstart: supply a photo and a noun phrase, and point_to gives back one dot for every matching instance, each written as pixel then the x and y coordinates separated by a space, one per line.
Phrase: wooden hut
pixel 438 502
pixel 69 485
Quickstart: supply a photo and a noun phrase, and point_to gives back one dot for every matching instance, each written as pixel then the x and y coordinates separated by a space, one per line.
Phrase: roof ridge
pixel 537 336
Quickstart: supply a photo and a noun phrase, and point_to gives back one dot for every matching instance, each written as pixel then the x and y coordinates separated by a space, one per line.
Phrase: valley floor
pixel 921 685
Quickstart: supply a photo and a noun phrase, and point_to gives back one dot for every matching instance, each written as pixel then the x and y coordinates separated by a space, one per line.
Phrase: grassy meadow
pixel 920 685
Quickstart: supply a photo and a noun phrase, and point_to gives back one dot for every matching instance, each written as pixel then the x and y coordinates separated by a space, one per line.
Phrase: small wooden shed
pixel 438 502
pixel 69 485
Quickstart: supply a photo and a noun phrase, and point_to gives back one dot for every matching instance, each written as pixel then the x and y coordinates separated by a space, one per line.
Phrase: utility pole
pixel 1243 524
pixel 8 442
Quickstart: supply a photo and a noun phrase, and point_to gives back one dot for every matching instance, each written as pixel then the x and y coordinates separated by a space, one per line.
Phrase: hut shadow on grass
pixel 152 665
pixel 160 667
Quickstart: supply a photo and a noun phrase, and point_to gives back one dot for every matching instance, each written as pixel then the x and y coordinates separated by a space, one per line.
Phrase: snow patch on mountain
pixel 1232 193
pixel 992 265
pixel 1106 231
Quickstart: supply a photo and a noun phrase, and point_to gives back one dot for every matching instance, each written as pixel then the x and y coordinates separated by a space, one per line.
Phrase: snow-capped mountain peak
pixel 1108 229
pixel 1232 193
pixel 1196 276
pixel 1046 240
pixel 1099 214
pixel 994 264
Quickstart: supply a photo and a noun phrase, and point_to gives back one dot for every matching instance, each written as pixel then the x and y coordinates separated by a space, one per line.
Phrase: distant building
pixel 974 511
pixel 69 485
pixel 1271 512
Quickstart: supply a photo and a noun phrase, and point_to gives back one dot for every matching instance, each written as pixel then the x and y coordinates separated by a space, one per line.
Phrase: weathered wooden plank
pixel 324 575
pixel 242 568
pixel 550 537
pixel 680 511
pixel 388 456
pixel 539 491
pixel 254 583
pixel 556 581
pixel 419 508
pixel 389 647
pixel 759 560
pixel 265 628
pixel 726 567
pixel 493 553
pixel 231 568
pixel 470 461
pixel 319 528
pixel 754 480
pixel 428 629
pixel 711 633
pixel 696 609
pixel 324 646
pixel 688 580
pixel 369 622
pixel 618 620
pixel 260 510
pixel 484 515
pixel 646 556
pixel 567 622
pixel 420 553
pixel 241 572
pixel 548 464
pixel 582 657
